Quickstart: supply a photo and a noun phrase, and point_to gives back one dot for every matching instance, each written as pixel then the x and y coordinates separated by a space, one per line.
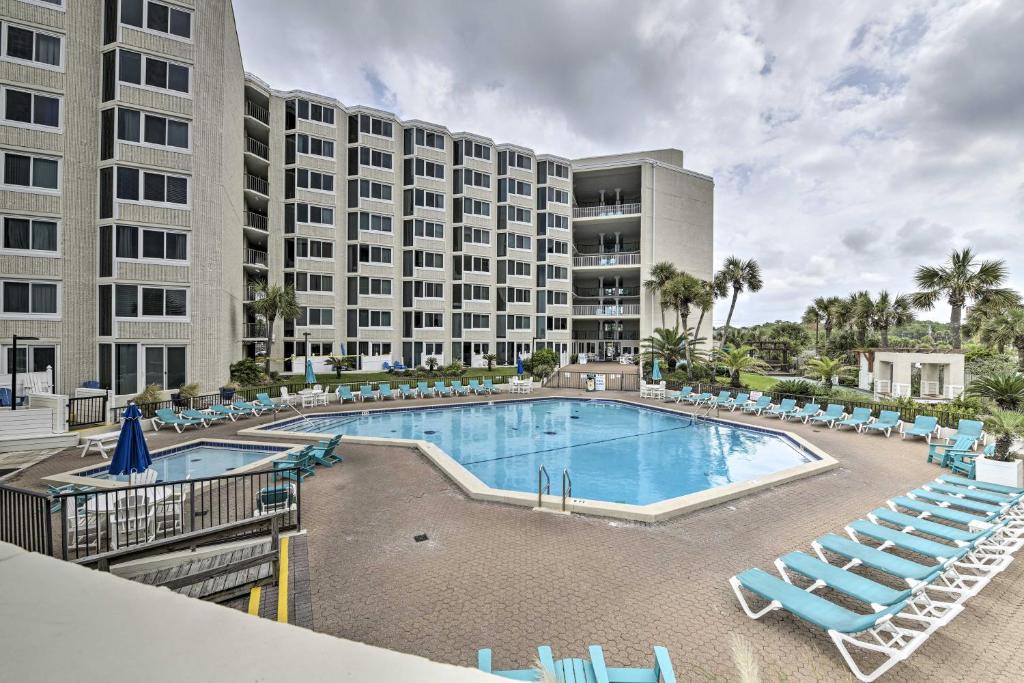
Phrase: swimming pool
pixel 198 459
pixel 615 452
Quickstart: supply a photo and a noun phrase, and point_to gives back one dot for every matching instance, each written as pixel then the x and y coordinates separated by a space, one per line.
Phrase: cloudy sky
pixel 849 142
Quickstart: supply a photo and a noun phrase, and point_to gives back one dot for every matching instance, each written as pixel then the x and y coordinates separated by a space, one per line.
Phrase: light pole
pixel 14 366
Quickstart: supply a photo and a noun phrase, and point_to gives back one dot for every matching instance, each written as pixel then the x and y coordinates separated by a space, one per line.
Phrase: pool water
pixel 614 452
pixel 195 461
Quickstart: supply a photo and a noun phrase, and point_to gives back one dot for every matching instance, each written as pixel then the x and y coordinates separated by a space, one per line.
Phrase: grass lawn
pixel 752 381
pixel 381 376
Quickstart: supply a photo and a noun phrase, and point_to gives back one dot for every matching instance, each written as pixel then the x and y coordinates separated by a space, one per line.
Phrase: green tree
pixel 1006 390
pixel 738 276
pixel 860 308
pixel 661 273
pixel 667 345
pixel 825 369
pixel 706 301
pixel 273 302
pixel 959 281
pixel 888 312
pixel 1006 426
pixel 681 293
pixel 1003 329
pixel 813 316
pixel 740 359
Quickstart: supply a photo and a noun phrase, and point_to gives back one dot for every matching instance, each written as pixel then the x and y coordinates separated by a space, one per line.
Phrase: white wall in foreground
pixel 61 621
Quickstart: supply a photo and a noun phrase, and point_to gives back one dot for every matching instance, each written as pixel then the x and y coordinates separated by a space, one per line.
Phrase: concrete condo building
pixel 149 183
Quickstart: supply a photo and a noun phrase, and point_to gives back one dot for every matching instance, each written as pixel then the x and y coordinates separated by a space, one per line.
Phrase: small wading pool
pixel 615 452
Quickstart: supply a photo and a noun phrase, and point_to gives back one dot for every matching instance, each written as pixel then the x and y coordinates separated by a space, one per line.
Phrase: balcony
pixel 261 114
pixel 607 259
pixel 593 292
pixel 256 184
pixel 253 293
pixel 256 220
pixel 606 210
pixel 253 258
pixel 617 310
pixel 257 148
pixel 254 331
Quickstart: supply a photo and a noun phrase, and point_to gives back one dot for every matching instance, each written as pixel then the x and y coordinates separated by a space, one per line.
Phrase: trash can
pixel 590 383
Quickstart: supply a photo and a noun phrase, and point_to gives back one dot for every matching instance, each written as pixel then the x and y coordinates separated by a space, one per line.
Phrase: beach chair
pixel 266 403
pixel 490 387
pixel 424 389
pixel 208 418
pixel 809 410
pixel 964 463
pixel 273 499
pixel 386 392
pixel 678 396
pixel 302 460
pixel 406 391
pixel 288 399
pixel 399 366
pixel 737 401
pixel 344 393
pixel 857 420
pixel 582 670
pixel 785 407
pixel 459 389
pixel 166 416
pixel 323 452
pixel 248 407
pixel 924 426
pixel 386 367
pixel 886 421
pixel 757 406
pixel 441 390
pixel 834 411
pixel 366 393
pixel 943 452
pixel 970 428
pixel 476 388
pixel 1009 491
pixel 697 399
pixel 719 401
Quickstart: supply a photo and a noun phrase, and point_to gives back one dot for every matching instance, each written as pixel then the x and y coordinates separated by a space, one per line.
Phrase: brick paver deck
pixel 510 579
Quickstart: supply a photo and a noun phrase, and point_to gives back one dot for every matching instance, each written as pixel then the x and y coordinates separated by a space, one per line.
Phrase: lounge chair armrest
pixel 663 665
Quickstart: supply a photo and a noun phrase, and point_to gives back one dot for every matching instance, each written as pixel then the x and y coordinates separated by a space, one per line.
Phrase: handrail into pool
pixel 566 490
pixel 542 474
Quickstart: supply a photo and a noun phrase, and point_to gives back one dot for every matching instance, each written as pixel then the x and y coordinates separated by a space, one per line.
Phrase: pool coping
pixel 650 513
pixel 75 476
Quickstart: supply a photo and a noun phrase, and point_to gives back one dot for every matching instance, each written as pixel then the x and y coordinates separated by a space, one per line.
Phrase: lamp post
pixel 14 366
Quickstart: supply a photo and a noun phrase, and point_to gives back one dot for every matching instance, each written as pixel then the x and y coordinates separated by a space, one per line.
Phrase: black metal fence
pixel 25 519
pixel 85 411
pixel 614 381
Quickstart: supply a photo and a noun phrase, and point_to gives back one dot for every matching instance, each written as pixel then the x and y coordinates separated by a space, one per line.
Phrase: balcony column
pixel 618 196
pixel 602 197
pixel 618 242
pixel 600 244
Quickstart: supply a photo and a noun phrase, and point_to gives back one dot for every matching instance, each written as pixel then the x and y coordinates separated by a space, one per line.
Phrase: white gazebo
pixel 887 373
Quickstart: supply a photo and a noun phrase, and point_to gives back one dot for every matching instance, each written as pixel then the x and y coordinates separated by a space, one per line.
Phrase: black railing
pixel 85 411
pixel 102 521
pixel 25 519
pixel 615 381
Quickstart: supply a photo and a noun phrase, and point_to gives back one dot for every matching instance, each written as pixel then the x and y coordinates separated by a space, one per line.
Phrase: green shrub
pixel 541 358
pixel 151 394
pixel 799 387
pixel 247 373
pixel 187 391
pixel 540 372
pixel 454 369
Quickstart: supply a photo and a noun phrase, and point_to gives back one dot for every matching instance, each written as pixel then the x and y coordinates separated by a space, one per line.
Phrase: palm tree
pixel 661 273
pixel 739 276
pixel 825 368
pixel 706 301
pixel 860 305
pixel 1005 390
pixel 813 316
pixel 1006 426
pixel 739 359
pixel 1003 329
pixel 682 292
pixel 888 312
pixel 667 345
pixel 960 280
pixel 983 311
pixel 273 302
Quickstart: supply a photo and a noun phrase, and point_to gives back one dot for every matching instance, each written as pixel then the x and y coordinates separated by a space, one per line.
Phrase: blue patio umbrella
pixel 519 365
pixel 131 454
pixel 310 375
pixel 656 372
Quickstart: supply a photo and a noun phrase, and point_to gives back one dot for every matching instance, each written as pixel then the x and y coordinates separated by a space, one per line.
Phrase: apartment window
pixel 29 299
pixel 558 196
pixel 517 214
pixel 518 268
pixel 557 247
pixel 31 170
pixel 422 320
pixel 375 158
pixel 476 236
pixel 476 321
pixel 476 179
pixel 369 189
pixel 310 282
pixel 373 254
pixel 476 293
pixel 316 317
pixel 32 45
pixel 314 249
pixel 164 366
pixel 35 236
pixel 519 295
pixel 311 111
pixel 314 180
pixel 428 229
pixel 135 301
pixel 320 348
pixel 374 222
pixel 557 170
pixel 375 126
pixel 158 17
pixel 371 318
pixel 312 214
pixel 476 264
pixel 428 290
pixel 313 146
pixel 557 298
pixel 556 323
pixel 153 72
pixel 429 169
pixel 38 358
pixel 517 241
pixel 518 160
pixel 518 322
pixel 428 259
pixel 151 129
pixel 476 207
pixel 156 188
pixel 477 150
pixel 22 107
pixel 556 222
pixel 427 138
pixel 374 286
pixel 516 187
pixel 151 244
pixel 557 272
pixel 430 200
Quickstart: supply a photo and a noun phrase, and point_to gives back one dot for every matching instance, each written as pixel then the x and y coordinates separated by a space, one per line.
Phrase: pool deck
pixel 509 578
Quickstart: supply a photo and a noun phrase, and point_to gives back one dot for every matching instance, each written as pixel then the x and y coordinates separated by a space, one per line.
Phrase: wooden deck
pixel 202 579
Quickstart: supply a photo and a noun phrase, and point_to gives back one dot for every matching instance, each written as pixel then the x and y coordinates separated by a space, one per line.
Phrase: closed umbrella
pixel 656 372
pixel 310 375
pixel 131 454
pixel 519 365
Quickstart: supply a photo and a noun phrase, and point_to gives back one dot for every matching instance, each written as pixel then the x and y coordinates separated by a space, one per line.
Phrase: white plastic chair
pixel 134 520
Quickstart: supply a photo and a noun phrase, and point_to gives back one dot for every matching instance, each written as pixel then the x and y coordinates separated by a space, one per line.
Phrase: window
pixel 29 299
pixel 151 129
pixel 314 180
pixel 518 268
pixel 476 236
pixel 427 138
pixel 311 111
pixel 518 214
pixel 476 179
pixel 517 187
pixel 31 45
pixel 517 160
pixel 428 259
pixel 139 69
pixel 29 359
pixel 476 293
pixel 369 318
pixel 164 366
pixel 156 188
pixel 375 126
pixel 428 290
pixel 29 235
pixel 429 169
pixel 557 323
pixel 430 200
pixel 518 295
pixel 314 215
pixel 30 170
pixel 557 298
pixel 518 322
pixel 373 254
pixel 558 170
pixel 316 317
pixel 314 249
pixel 375 158
pixel 557 247
pixel 374 286
pixel 478 151
pixel 374 222
pixel 320 348
pixel 158 17
pixel 428 229
pixel 476 321
pixel 557 272
pixel 556 222
pixel 30 108
pixel 310 282
pixel 517 241
pixel 369 189
pixel 476 264
pixel 422 320
pixel 134 301
pixel 556 195
pixel 318 147
pixel 151 244
pixel 476 207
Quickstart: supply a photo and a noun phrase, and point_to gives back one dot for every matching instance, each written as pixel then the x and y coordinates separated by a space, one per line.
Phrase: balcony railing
pixel 598 260
pixel 631 209
pixel 587 249
pixel 253 293
pixel 256 220
pixel 261 114
pixel 257 184
pixel 606 291
pixel 254 330
pixel 607 309
pixel 594 335
pixel 254 146
pixel 254 257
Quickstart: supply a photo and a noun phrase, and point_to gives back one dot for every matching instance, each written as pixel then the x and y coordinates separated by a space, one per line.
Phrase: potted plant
pixel 1002 466
pixel 227 392
pixel 491 359
pixel 186 392
pixel 338 363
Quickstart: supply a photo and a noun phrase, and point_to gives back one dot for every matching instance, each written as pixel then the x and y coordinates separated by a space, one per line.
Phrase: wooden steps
pixel 217 578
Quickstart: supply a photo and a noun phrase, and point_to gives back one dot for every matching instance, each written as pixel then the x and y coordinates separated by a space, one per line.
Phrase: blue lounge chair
pixel 936 498
pixel 944 531
pixel 267 403
pixel 399 366
pixel 943 452
pixel 857 420
pixel 785 407
pixel 887 421
pixel 406 391
pixel 302 460
pixel 983 485
pixel 490 387
pixel 323 452
pixel 929 509
pixel 964 463
pixel 166 416
pixel 385 391
pixel 757 406
pixel 737 401
pixel 366 393
pixel 208 418
pixel 719 401
pixel 248 408
pixel 277 498
pixel 678 396
pixel 386 366
pixel 441 390
pixel 459 389
pixel 834 411
pixel 697 399
pixel 972 428
pixel 344 393
pixel 925 426
pixel 583 671
pixel 229 410
pixel 424 389
pixel 475 387
pixel 808 411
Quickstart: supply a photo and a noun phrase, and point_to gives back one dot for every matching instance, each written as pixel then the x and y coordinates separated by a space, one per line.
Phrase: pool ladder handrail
pixel 542 476
pixel 566 487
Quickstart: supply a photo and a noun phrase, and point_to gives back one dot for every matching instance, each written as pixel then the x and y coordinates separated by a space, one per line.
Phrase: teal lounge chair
pixel 459 389
pixel 972 428
pixel 719 401
pixel 785 407
pixel 678 396
pixel 585 671
pixel 697 399
pixel 857 420
pixel 248 408
pixel 302 460
pixel 385 391
pixel 943 452
pixel 887 421
pixel 944 531
pixel 924 426
pixel 166 416
pixel 277 498
pixel 757 406
pixel 983 485
pixel 406 392
pixel 366 393
pixel 835 411
pixel 344 393
pixel 953 501
pixel 424 389
pixel 808 411
pixel 441 390
pixel 231 412
pixel 323 452
pixel 964 463
pixel 209 418
pixel 475 387
pixel 489 386
pixel 267 403
pixel 737 402
pixel 930 509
